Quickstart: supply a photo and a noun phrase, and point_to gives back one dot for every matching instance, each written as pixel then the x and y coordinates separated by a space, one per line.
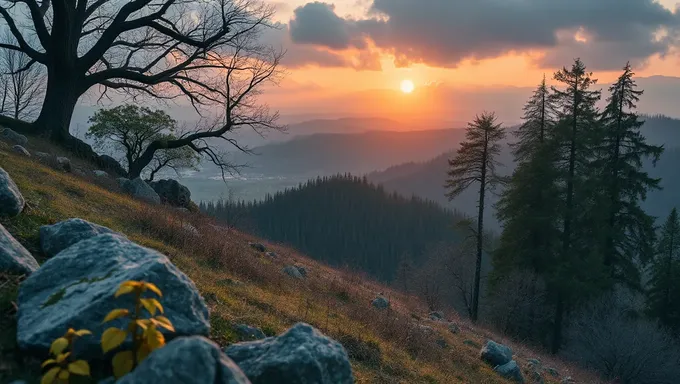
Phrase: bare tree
pixel 22 90
pixel 163 49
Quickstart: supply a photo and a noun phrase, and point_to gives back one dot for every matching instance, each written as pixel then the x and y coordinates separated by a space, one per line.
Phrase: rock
pixel 454 328
pixel 111 165
pixel 100 173
pixel 273 255
pixel 11 200
pixel 42 155
pixel 568 380
pixel 442 343
pixel 246 332
pixel 21 150
pixel 172 192
pixel 425 329
pixel 139 189
pixel 186 360
pixel 301 355
pixel 12 137
pixel 534 363
pixel 258 247
pixel 381 302
pixel 436 316
pixel 496 354
pixel 190 228
pixel 302 270
pixel 553 372
pixel 14 258
pixel 535 377
pixel 64 164
pixel 510 370
pixel 293 272
pixel 75 289
pixel 57 237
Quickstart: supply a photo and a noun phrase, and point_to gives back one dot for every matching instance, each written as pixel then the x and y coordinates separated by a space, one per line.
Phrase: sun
pixel 407 86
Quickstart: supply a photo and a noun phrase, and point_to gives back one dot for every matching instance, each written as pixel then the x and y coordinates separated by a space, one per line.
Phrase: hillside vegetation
pixel 241 284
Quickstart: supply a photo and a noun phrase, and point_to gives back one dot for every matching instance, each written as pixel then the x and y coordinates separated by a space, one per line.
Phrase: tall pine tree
pixel 575 133
pixel 475 163
pixel 628 232
pixel 663 295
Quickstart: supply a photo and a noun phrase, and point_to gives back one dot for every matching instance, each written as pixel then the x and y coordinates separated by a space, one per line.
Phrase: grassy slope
pixel 385 346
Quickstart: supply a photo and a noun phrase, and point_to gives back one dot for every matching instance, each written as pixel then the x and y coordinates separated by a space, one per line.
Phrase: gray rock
pixel 42 155
pixel 21 150
pixel 534 363
pixel 12 137
pixel 553 372
pixel 436 316
pixel 112 165
pixel 273 255
pixel 75 289
pixel 187 360
pixel 454 328
pixel 292 271
pixel 441 342
pixel 381 302
pixel 14 258
pixel 425 329
pixel 64 164
pixel 510 370
pixel 301 355
pixel 247 333
pixel 11 200
pixel 139 189
pixel 172 192
pixel 302 270
pixel 258 247
pixel 496 354
pixel 100 173
pixel 568 380
pixel 57 237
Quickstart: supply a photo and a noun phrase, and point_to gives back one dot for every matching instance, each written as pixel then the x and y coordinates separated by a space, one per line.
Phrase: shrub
pixel 61 365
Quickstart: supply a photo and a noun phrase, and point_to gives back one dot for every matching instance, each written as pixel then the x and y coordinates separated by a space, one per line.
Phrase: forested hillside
pixel 345 220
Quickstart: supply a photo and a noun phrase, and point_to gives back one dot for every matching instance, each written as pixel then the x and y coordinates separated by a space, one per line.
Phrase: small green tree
pixel 126 131
pixel 663 294
pixel 475 163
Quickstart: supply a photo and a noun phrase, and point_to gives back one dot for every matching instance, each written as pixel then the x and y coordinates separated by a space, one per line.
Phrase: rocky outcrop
pixel 187 360
pixel 11 200
pixel 21 150
pixel 140 190
pixel 247 333
pixel 511 371
pixel 55 238
pixel 12 137
pixel 75 289
pixel 292 271
pixel 496 354
pixel 301 355
pixel 14 258
pixel 381 302
pixel 172 192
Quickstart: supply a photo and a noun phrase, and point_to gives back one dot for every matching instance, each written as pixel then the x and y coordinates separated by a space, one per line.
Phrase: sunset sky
pixel 350 56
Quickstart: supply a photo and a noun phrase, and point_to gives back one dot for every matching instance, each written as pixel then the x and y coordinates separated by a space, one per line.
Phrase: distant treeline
pixel 345 220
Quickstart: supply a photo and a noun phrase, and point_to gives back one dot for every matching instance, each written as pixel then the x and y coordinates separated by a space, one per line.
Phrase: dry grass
pixel 242 285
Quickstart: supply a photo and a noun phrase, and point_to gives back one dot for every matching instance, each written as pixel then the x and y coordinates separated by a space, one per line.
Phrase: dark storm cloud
pixel 445 32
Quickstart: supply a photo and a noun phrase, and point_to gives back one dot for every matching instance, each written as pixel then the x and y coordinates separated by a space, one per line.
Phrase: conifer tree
pixel 663 295
pixel 577 117
pixel 628 230
pixel 475 163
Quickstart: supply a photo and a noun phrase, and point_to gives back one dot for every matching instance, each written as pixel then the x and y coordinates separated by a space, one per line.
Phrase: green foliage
pixel 130 129
pixel 475 162
pixel 663 294
pixel 345 221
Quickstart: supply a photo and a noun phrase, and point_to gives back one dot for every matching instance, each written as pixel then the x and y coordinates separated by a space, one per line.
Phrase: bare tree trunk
pixel 480 235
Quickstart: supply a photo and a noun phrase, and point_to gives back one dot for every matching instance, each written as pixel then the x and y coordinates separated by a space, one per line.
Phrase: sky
pixel 349 57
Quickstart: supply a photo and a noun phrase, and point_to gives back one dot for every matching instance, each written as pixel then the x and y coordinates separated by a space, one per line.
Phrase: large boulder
pixel 21 150
pixel 172 192
pixel 301 355
pixel 11 200
pixel 139 189
pixel 112 165
pixel 186 360
pixel 75 289
pixel 12 137
pixel 511 371
pixel 55 238
pixel 495 353
pixel 14 258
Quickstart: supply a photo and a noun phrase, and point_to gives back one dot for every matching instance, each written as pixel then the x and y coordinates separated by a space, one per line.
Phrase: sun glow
pixel 407 86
